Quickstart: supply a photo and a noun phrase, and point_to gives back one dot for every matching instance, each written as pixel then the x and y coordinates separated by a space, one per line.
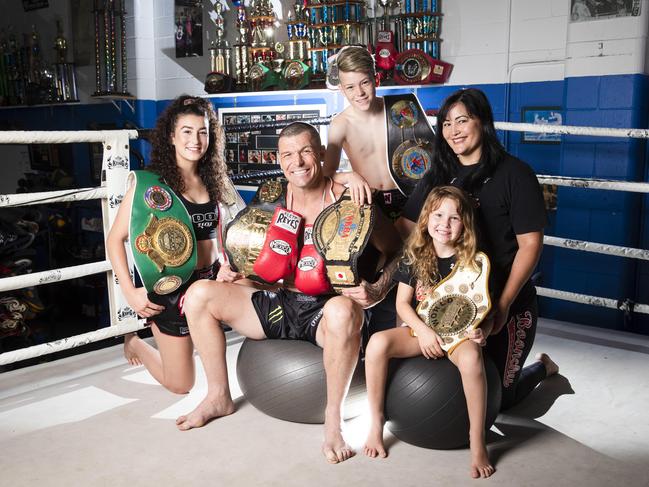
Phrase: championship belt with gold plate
pixel 340 233
pixel 409 144
pixel 161 235
pixel 458 303
pixel 246 233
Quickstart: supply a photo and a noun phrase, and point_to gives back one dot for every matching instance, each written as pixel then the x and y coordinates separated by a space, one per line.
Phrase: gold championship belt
pixel 458 303
pixel 246 233
pixel 409 140
pixel 340 233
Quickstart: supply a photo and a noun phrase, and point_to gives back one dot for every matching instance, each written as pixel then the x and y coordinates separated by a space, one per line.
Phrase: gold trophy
pixel 219 79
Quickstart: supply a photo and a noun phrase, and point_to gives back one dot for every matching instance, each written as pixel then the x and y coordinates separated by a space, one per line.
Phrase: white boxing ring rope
pixel 24 199
pixel 111 192
pixel 594 183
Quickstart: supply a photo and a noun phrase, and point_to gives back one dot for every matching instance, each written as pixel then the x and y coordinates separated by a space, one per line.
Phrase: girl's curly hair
pixel 419 251
pixel 211 167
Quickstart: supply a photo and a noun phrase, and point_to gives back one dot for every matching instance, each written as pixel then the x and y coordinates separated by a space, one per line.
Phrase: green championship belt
pixel 246 233
pixel 161 235
pixel 409 144
pixel 340 233
pixel 458 303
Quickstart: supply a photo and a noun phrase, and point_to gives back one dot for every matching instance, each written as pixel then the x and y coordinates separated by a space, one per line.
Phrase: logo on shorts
pixel 275 315
pixel 316 319
pixel 280 247
pixel 306 264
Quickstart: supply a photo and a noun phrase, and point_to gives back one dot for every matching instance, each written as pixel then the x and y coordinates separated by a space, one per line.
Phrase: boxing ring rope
pixel 55 275
pixel 63 136
pixel 609 184
pixel 24 199
pixel 116 166
pixel 511 126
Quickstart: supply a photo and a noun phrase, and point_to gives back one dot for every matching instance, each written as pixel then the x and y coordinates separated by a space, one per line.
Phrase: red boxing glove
pixel 311 275
pixel 386 53
pixel 278 255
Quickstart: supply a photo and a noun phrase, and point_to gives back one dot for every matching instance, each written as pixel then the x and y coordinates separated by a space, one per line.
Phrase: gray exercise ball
pixel 425 404
pixel 285 379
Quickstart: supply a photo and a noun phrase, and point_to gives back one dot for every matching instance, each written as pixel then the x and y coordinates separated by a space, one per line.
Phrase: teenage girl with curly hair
pixel 187 154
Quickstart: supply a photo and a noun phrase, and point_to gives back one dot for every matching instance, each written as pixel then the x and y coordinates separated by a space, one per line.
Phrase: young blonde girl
pixel 444 236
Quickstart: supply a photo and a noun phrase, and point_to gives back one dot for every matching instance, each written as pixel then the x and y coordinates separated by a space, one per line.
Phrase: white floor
pixel 93 420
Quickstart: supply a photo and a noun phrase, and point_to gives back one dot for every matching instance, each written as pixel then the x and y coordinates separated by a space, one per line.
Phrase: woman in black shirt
pixel 511 217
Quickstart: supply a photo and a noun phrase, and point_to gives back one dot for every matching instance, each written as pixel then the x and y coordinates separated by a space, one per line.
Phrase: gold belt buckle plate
pixel 166 241
pixel 458 303
pixel 340 234
pixel 245 238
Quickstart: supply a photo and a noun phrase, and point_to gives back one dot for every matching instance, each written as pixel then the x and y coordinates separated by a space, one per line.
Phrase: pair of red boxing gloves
pixel 280 256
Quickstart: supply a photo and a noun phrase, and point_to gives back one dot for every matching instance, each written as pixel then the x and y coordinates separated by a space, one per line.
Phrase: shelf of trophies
pixel 28 79
pixel 406 44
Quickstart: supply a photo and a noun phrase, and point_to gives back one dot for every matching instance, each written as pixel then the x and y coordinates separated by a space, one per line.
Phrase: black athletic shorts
pixel 289 315
pixel 391 202
pixel 172 321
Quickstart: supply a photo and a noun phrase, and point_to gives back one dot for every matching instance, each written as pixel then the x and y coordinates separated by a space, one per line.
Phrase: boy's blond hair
pixel 355 59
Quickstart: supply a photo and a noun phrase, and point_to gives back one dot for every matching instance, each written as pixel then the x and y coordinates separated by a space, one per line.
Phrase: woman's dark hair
pixel 211 167
pixel 446 162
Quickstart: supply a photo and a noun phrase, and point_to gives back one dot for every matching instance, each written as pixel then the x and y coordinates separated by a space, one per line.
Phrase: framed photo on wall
pixel 586 10
pixel 256 150
pixel 541 116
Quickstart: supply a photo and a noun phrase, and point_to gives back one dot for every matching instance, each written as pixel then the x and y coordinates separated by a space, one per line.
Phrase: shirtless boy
pixel 360 130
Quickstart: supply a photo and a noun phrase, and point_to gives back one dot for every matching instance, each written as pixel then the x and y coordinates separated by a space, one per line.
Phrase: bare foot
pixel 334 447
pixel 129 349
pixel 207 410
pixel 480 465
pixel 551 368
pixel 374 446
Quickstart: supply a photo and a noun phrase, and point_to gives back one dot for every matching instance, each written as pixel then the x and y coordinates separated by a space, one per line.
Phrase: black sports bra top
pixel 205 218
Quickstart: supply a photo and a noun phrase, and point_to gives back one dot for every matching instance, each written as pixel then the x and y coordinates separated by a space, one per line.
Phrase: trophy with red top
pixel 386 52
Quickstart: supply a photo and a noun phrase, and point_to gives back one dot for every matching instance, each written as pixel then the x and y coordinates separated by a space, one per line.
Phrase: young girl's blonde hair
pixel 419 251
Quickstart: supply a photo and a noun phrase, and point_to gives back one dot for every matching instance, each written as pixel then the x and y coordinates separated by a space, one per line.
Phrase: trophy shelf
pixel 418 14
pixel 335 24
pixel 262 18
pixel 41 105
pixel 305 92
pixel 335 4
pixel 430 38
pixel 114 99
pixel 325 48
